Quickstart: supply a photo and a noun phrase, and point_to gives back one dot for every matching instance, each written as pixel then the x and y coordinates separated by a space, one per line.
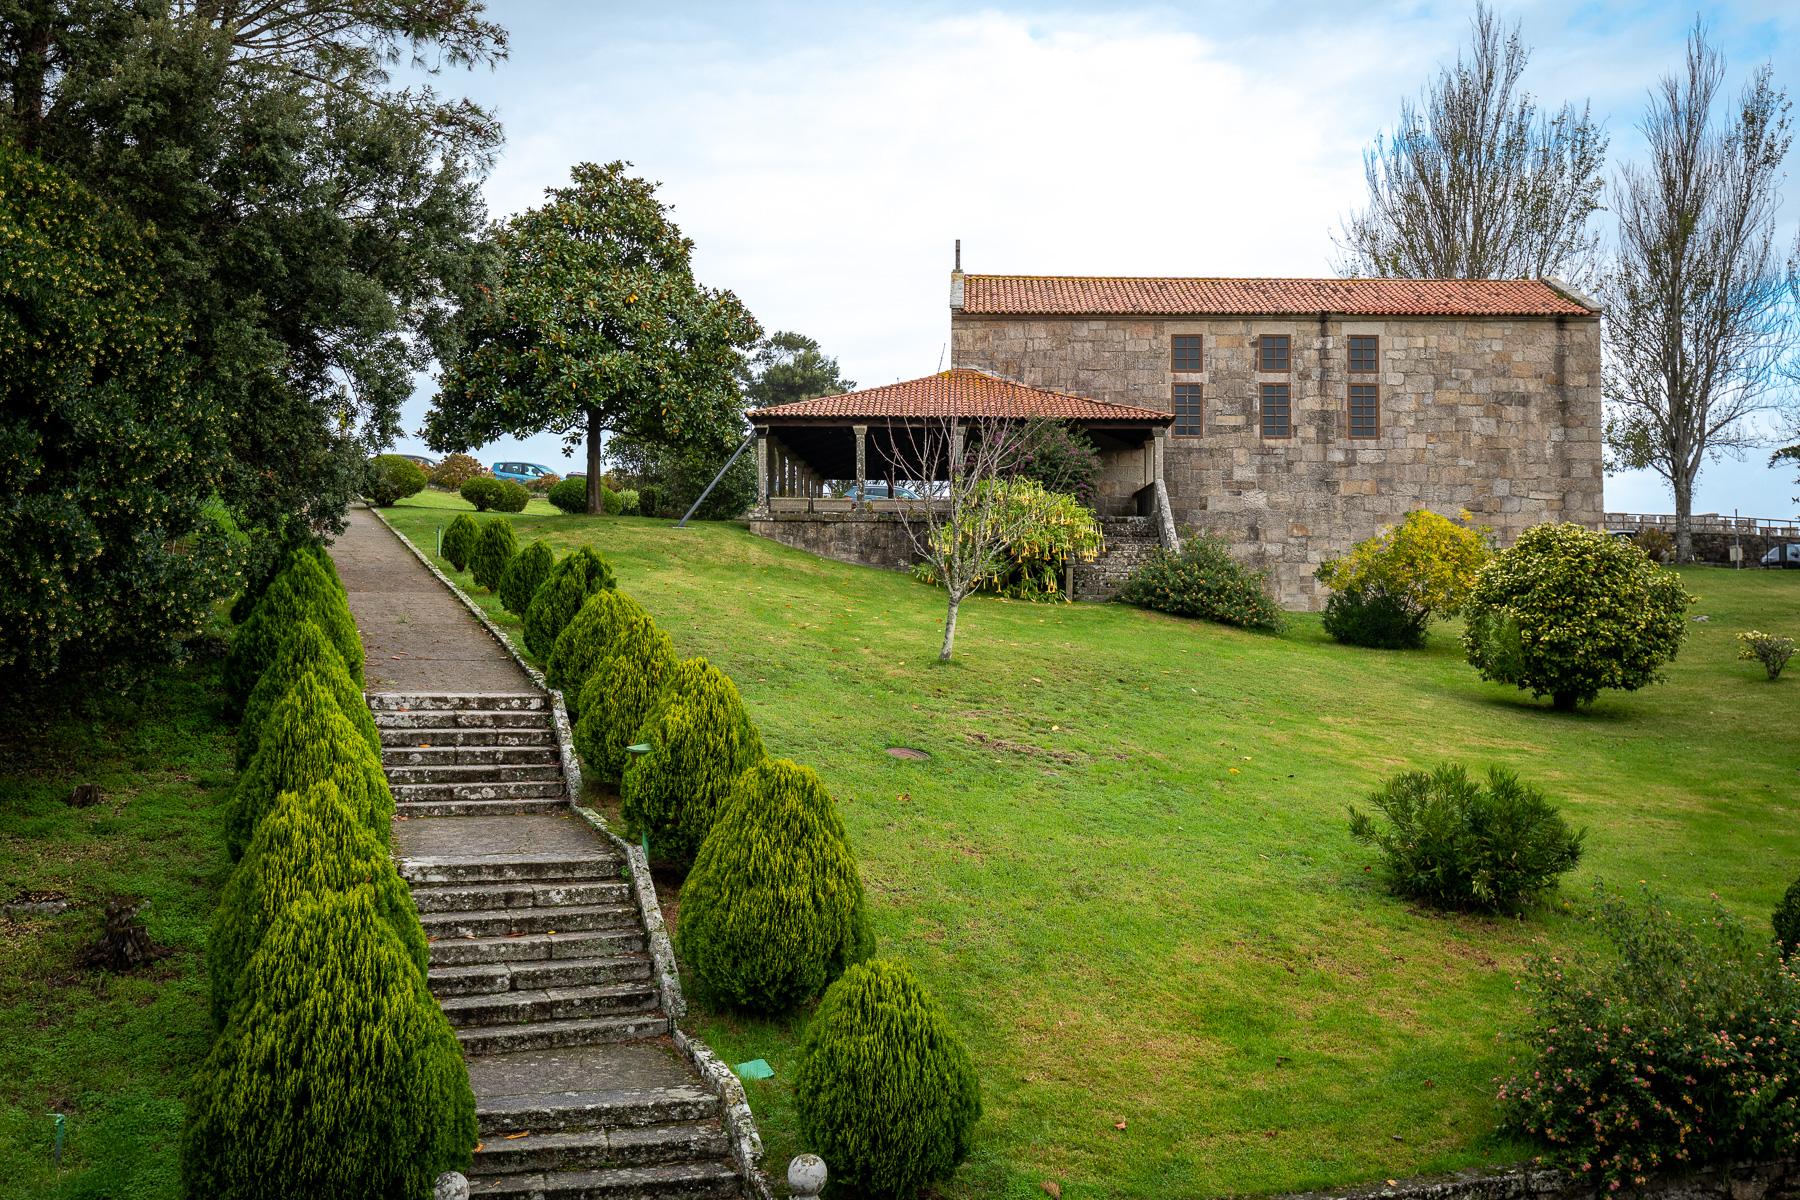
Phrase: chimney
pixel 956 279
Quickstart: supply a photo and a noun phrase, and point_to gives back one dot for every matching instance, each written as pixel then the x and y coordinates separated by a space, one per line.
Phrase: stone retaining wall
pixel 869 539
pixel 1778 1180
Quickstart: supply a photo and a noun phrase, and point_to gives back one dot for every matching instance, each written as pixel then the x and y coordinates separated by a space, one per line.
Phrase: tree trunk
pixel 594 486
pixel 1684 520
pixel 1563 701
pixel 950 629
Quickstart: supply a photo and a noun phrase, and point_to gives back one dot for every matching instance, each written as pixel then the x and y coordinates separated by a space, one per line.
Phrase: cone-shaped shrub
pixel 252 595
pixel 623 690
pixel 459 541
pixel 303 591
pixel 493 553
pixel 305 650
pixel 309 844
pixel 884 1090
pixel 336 1074
pixel 701 740
pixel 524 576
pixel 306 739
pixel 773 909
pixel 589 638
pixel 572 580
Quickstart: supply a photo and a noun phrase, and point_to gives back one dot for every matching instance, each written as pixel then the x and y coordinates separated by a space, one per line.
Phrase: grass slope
pixel 113 1052
pixel 1125 869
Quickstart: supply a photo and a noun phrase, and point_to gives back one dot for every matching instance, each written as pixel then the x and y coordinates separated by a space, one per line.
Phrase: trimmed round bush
pixel 625 687
pixel 525 574
pixel 336 1074
pixel 392 478
pixel 304 651
pixel 456 470
pixel 309 844
pixel 493 553
pixel 773 910
pixel 571 581
pixel 570 495
pixel 1786 920
pixel 306 739
pixel 610 503
pixel 1203 580
pixel 459 541
pixel 514 496
pixel 483 492
pixel 302 592
pixel 884 1089
pixel 1568 612
pixel 700 740
pixel 653 500
pixel 1374 617
pixel 587 640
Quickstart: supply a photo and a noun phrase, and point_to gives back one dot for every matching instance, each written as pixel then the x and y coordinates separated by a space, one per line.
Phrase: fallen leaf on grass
pixel 1118 1124
pixel 1052 1189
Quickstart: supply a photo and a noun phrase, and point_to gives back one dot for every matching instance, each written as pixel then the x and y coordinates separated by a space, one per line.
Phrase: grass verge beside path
pixel 113 1052
pixel 1125 869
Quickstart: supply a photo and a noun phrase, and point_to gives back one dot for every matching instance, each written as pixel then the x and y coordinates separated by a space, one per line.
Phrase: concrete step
pixel 589 1149
pixel 432 718
pixel 548 1035
pixel 464 950
pixel 474 897
pixel 627 1108
pixel 452 701
pixel 479 808
pixel 492 978
pixel 551 865
pixel 414 755
pixel 435 736
pixel 702 1181
pixel 500 922
pixel 549 1004
pixel 482 773
pixel 530 789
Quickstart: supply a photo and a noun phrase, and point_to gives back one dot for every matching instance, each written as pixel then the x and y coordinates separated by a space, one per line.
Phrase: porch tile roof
pixel 961 392
pixel 1091 295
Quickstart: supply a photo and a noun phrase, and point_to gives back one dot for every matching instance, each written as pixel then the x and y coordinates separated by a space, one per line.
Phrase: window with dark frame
pixel 1277 411
pixel 1364 354
pixel 1272 352
pixel 1188 421
pixel 1184 352
pixel 1365 411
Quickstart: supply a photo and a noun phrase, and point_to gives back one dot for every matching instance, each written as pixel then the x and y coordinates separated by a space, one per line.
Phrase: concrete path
pixel 417 636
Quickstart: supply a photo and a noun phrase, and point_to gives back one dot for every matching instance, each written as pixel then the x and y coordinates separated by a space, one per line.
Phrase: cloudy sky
pixel 823 157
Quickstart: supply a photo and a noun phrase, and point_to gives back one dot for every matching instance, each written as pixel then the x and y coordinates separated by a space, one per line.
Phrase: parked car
pixel 425 464
pixel 879 491
pixel 520 472
pixel 1783 556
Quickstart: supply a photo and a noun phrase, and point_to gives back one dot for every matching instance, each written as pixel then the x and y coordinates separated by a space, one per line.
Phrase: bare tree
pixel 1699 319
pixel 961 525
pixel 1475 183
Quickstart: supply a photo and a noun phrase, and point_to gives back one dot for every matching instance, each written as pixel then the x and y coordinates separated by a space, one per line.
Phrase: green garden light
pixel 56 1144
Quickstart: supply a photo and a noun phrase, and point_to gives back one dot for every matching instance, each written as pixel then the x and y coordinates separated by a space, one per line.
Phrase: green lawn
pixel 1125 870
pixel 113 1052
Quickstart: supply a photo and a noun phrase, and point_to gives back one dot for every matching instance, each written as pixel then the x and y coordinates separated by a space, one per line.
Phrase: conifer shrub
pixel 570 495
pixel 257 583
pixel 773 910
pixel 524 576
pixel 624 688
pixel 587 639
pixel 571 581
pixel 1786 920
pixel 303 591
pixel 884 1089
pixel 483 492
pixel 459 541
pixel 1373 617
pixel 493 553
pixel 1203 580
pixel 305 650
pixel 336 1073
pixel 309 844
pixel 700 740
pixel 306 739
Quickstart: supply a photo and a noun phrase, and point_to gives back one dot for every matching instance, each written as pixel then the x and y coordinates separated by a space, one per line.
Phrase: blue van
pixel 520 472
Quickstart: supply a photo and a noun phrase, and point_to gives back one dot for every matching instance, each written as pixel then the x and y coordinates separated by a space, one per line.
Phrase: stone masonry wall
pixel 1498 416
pixel 872 539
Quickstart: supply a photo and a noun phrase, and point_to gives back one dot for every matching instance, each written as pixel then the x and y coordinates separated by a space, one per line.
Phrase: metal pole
pixel 682 524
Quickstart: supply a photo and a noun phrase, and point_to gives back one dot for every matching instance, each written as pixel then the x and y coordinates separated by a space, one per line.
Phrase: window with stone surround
pixel 1365 354
pixel 1272 352
pixel 1184 352
pixel 1277 413
pixel 1187 410
pixel 1365 410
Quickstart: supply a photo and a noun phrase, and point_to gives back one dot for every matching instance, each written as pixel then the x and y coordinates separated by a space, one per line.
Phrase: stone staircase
pixel 539 959
pixel 1130 541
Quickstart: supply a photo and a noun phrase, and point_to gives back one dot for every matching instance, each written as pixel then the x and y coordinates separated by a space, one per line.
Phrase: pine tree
pixel 303 591
pixel 588 639
pixel 700 740
pixel 624 688
pixel 526 574
pixel 305 650
pixel 572 580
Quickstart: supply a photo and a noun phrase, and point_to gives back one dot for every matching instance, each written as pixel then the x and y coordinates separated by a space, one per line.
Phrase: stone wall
pixel 1501 417
pixel 1777 1180
pixel 871 539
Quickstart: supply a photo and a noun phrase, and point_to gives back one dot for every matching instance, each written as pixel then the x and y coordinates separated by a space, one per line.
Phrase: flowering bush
pixel 1679 1050
pixel 1422 568
pixel 1061 459
pixel 1203 580
pixel 1786 920
pixel 1771 651
pixel 1048 531
pixel 456 470
pixel 543 483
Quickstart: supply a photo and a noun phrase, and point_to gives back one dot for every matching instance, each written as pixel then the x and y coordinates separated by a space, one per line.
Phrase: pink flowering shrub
pixel 1679 1050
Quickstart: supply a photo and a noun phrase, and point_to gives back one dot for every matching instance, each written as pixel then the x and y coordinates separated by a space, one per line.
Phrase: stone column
pixel 862 463
pixel 762 468
pixel 1159 445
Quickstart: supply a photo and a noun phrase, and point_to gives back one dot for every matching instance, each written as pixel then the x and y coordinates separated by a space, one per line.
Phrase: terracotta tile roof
pixel 1081 295
pixel 961 392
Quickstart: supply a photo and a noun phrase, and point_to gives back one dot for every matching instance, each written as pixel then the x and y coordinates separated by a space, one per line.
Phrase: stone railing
pixel 1708 523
